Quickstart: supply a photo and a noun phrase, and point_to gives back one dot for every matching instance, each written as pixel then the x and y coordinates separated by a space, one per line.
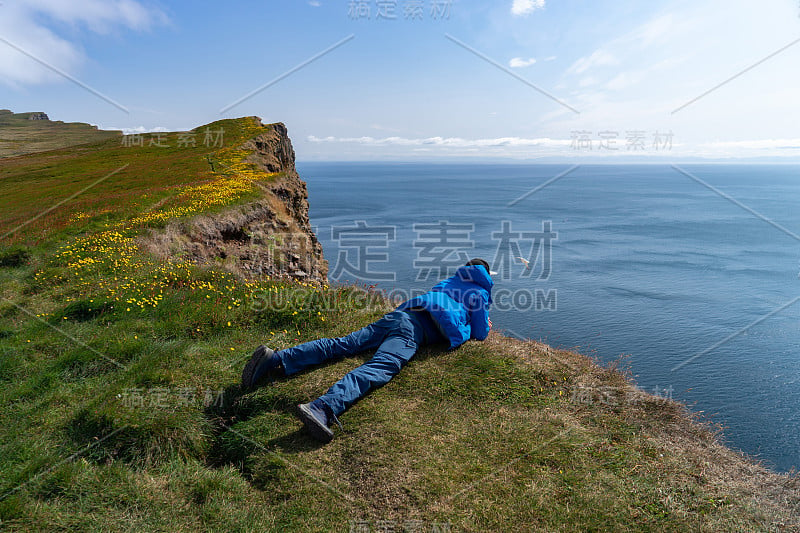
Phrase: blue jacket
pixel 459 305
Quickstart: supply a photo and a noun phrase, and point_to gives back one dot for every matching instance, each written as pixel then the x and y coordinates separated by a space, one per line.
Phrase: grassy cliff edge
pixel 127 317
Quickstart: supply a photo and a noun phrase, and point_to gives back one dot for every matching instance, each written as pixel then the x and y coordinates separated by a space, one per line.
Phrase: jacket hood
pixel 476 274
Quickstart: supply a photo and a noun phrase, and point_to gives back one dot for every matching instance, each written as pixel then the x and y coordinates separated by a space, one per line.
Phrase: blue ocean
pixel 691 272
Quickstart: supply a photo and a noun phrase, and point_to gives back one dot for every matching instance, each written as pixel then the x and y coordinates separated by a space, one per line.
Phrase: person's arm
pixel 479 316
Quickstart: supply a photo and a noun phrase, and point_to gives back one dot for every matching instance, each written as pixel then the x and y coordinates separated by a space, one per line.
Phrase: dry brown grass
pixel 691 450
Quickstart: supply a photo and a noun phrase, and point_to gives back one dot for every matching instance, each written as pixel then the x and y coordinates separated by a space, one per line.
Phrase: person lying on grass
pixel 454 311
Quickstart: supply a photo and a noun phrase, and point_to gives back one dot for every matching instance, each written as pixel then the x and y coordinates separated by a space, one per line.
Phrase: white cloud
pixel 25 32
pixel 142 130
pixel 314 3
pixel 760 144
pixel 520 147
pixel 526 7
pixel 518 62
pixel 655 31
pixel 624 80
pixel 640 77
pixel 448 142
pixel 599 58
pixel 100 16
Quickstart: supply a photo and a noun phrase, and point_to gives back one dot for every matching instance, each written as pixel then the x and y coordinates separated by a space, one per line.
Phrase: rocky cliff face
pixel 270 237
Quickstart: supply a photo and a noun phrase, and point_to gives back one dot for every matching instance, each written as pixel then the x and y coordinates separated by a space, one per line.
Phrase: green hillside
pixel 20 135
pixel 120 408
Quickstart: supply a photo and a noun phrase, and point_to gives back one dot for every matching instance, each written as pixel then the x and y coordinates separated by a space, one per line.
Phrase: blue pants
pixel 397 336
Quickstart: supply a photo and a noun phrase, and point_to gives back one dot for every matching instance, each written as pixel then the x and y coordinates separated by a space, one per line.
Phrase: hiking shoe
pixel 315 416
pixel 262 363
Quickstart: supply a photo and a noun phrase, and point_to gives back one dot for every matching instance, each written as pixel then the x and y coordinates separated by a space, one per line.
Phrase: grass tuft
pixel 14 256
pixel 83 310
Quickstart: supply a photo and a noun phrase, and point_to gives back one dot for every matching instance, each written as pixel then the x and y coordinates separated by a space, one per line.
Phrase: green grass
pixel 120 407
pixel 110 182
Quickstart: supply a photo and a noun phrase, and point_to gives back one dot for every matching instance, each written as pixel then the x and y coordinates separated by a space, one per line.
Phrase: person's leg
pixel 311 353
pixel 394 352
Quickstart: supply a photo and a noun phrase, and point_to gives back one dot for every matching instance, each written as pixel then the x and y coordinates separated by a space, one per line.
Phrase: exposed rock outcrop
pixel 270 237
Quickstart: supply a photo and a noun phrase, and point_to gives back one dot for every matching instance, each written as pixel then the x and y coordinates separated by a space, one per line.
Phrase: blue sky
pixel 423 79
